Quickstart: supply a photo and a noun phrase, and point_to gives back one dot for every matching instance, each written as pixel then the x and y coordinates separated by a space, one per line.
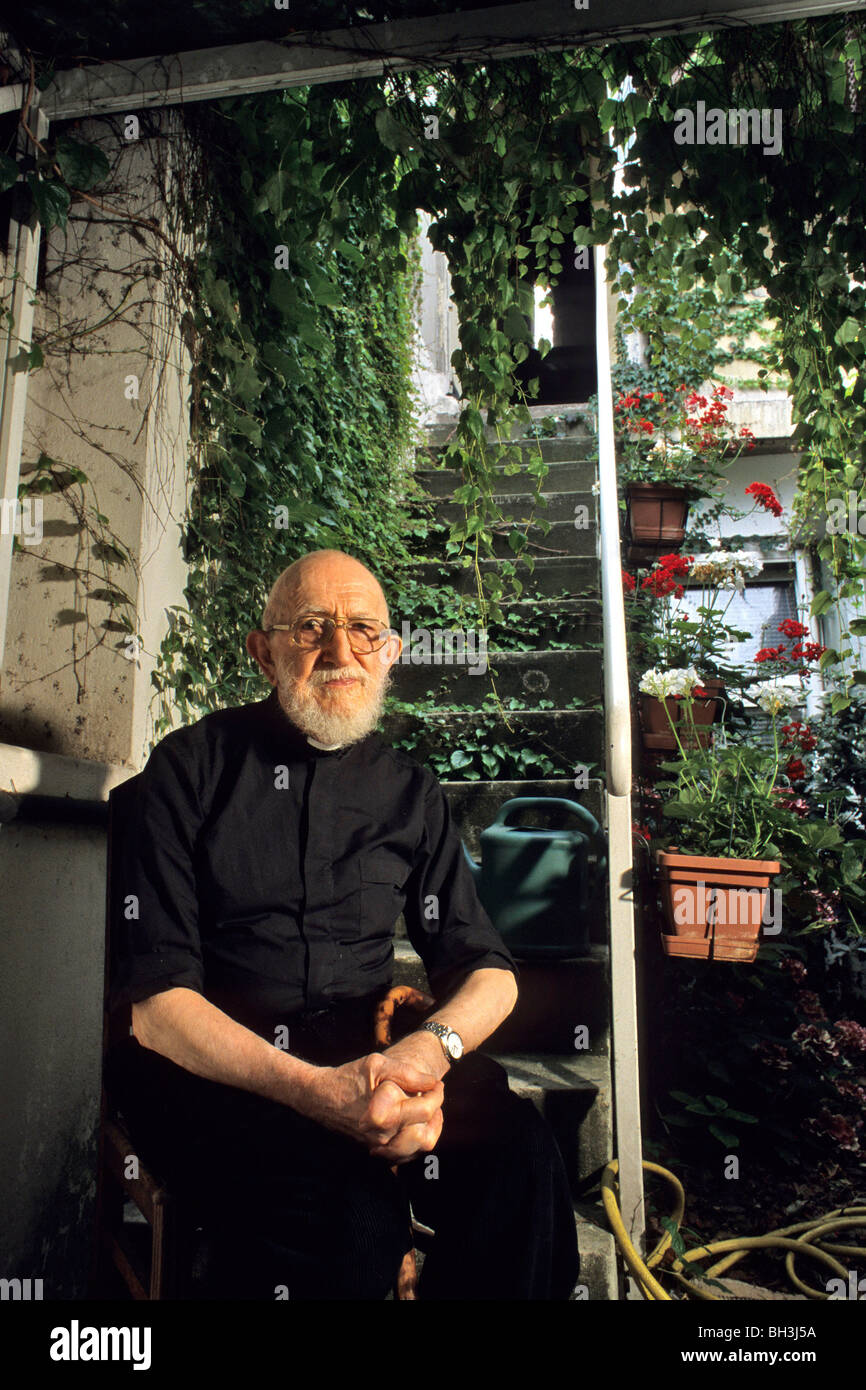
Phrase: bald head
pixel 317 580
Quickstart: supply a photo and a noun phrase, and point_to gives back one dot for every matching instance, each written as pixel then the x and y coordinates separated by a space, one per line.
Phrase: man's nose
pixel 338 648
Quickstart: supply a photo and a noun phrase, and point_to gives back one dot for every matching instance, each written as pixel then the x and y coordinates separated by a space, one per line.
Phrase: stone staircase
pixel 545 662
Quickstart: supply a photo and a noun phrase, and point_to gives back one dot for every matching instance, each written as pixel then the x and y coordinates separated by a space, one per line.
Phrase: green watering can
pixel 534 883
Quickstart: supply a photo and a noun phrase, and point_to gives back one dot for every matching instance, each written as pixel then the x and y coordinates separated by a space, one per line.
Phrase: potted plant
pixel 732 821
pixel 672 709
pixel 670 453
pixel 671 638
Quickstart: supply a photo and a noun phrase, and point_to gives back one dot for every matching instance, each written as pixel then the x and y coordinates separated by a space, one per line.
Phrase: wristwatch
pixel 452 1043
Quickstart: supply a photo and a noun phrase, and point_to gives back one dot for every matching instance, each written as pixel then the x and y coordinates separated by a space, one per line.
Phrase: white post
pixel 626 1090
pixel 19 292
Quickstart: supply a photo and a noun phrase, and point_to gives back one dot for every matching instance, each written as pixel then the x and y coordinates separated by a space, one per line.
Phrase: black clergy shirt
pixel 268 874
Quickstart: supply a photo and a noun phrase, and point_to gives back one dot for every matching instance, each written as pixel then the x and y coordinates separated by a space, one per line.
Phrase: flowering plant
pixel 684 440
pixel 734 798
pixel 665 635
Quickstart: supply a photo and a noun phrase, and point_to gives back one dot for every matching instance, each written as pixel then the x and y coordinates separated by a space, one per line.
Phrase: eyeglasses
pixel 364 634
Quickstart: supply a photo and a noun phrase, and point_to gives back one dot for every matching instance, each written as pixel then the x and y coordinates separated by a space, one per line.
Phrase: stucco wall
pixel 78 712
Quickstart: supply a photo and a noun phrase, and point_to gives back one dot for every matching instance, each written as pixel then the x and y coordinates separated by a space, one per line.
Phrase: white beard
pixel 358 717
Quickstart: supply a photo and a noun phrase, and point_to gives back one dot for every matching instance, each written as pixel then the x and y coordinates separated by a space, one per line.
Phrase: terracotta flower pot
pixel 653 716
pixel 656 514
pixel 657 732
pixel 714 908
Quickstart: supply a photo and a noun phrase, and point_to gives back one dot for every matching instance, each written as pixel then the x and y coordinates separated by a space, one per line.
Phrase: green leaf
pixel 849 332
pixel 820 603
pixel 393 135
pixel 50 199
pixel 724 1136
pixel 82 166
pixel 352 253
pixel 516 325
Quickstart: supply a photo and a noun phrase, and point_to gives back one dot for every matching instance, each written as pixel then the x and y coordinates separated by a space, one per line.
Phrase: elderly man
pixel 270 850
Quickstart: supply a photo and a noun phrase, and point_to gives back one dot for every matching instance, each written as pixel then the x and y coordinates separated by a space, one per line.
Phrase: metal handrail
pixel 617 719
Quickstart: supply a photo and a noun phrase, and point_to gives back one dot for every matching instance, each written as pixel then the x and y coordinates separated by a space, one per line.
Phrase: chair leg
pixel 407 1279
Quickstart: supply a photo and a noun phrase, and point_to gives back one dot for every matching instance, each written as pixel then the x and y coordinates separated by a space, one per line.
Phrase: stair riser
pixel 573 476
pixel 554 1001
pixel 556 676
pixel 562 539
pixel 568 737
pixel 579 444
pixel 575 576
pixel 523 506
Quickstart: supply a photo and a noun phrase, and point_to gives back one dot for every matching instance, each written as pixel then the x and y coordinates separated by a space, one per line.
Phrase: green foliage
pixel 712 1113
pixel 691 328
pixel 301 394
pixel 791 222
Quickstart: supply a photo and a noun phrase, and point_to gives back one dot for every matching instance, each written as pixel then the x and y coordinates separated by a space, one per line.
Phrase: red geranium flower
pixel 791 628
pixel 765 497
pixel 628 582
pixel 808 651
pixel 798 733
pixel 771 654
pixel 795 769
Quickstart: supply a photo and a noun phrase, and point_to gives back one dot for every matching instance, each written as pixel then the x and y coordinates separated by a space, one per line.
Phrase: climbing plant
pixel 514 162
pixel 794 219
pixel 301 318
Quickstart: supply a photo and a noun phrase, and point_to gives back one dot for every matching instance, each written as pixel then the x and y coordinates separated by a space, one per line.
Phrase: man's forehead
pixel 320 593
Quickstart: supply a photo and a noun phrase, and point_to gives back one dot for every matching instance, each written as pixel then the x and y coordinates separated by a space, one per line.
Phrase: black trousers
pixel 296 1210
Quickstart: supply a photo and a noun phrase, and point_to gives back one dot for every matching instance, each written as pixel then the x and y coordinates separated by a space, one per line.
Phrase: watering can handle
pixel 520 803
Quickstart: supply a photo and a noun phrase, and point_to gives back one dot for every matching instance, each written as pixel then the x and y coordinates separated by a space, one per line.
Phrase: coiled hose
pixel 805 1238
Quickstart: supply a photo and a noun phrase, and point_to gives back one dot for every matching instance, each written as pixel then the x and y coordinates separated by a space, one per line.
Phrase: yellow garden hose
pixel 805 1238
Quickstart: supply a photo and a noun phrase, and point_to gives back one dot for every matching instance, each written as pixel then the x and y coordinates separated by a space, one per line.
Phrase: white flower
pixel 596 488
pixel 728 569
pixel 656 682
pixel 665 683
pixel 776 699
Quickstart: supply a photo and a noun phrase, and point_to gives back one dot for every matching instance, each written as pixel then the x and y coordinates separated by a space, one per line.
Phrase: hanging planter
pixel 656 726
pixel 714 908
pixel 656 515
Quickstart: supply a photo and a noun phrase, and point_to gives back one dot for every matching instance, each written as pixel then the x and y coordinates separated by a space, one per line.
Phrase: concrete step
pixel 574 1096
pixel 521 506
pixel 598 1261
pixel 562 576
pixel 566 737
pixel 559 676
pixel 567 475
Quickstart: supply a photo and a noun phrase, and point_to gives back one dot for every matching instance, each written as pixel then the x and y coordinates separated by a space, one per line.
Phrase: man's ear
pixel 392 648
pixel 259 648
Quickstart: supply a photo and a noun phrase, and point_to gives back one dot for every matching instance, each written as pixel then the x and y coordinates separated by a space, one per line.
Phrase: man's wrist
pixel 427 1045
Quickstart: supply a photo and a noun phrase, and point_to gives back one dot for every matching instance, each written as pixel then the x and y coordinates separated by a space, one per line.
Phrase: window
pixel 758 611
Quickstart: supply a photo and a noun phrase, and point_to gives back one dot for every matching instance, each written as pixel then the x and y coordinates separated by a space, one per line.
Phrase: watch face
pixel 455 1046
